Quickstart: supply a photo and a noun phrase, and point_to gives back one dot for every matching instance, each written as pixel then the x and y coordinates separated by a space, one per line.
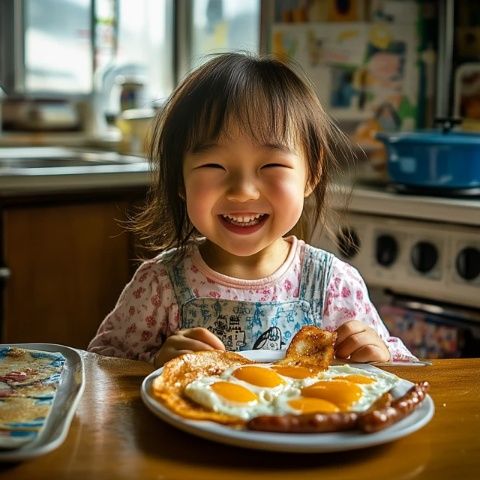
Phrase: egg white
pixel 383 382
pixel 274 401
pixel 199 390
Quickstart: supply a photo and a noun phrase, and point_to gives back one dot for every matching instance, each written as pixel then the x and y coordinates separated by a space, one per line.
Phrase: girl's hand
pixel 186 341
pixel 360 343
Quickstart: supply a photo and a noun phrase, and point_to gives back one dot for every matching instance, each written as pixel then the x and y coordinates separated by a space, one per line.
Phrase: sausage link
pixel 313 422
pixel 383 413
pixel 305 423
pixel 379 419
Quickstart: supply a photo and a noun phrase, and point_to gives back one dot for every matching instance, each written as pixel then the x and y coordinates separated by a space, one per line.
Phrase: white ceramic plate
pixel 291 442
pixel 66 400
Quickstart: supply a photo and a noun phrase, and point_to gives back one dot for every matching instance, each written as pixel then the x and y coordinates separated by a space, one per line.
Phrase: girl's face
pixel 244 197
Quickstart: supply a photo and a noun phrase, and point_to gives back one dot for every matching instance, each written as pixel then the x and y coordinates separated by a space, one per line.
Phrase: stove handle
pixel 5 274
pixel 460 313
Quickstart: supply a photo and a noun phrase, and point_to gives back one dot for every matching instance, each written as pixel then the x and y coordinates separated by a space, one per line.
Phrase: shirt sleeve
pixel 145 314
pixel 347 299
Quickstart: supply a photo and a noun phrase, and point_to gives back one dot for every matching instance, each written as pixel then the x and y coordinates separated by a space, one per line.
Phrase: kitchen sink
pixel 16 163
pixel 59 160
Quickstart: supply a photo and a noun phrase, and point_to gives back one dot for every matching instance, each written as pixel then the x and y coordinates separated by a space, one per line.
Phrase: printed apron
pixel 257 325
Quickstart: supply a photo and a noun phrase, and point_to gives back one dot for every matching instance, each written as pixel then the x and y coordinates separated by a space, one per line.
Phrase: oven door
pixel 432 330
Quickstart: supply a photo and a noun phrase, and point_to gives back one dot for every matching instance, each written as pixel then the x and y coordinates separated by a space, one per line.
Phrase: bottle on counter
pixel 132 92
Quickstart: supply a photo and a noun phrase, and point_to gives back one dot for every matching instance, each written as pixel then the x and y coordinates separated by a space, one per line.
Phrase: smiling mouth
pixel 244 220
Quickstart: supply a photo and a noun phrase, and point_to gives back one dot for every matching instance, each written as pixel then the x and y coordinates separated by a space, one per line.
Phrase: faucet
pixel 103 82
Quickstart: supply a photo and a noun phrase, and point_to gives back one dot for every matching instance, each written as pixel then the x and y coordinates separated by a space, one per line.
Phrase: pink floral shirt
pixel 147 312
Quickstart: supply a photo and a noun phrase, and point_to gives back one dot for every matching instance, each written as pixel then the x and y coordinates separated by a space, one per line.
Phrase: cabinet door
pixel 68 265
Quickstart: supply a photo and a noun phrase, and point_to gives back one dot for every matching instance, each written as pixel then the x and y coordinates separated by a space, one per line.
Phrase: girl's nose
pixel 242 189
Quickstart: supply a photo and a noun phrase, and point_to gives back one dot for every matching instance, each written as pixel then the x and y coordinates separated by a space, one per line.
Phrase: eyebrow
pixel 278 146
pixel 206 147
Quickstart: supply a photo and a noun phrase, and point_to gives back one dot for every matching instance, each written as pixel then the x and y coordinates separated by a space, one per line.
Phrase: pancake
pixel 179 372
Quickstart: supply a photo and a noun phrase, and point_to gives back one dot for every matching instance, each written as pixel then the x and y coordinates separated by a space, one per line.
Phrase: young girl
pixel 240 145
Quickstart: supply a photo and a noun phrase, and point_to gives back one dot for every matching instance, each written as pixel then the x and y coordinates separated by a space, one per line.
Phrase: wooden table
pixel 113 435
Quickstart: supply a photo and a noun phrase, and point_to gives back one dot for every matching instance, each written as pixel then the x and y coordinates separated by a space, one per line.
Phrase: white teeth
pixel 244 220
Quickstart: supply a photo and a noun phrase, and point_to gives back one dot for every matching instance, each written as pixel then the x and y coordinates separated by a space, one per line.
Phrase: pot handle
pixel 447 123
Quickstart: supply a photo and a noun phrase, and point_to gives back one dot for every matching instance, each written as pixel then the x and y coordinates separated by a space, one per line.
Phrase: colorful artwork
pixel 467 95
pixel 360 70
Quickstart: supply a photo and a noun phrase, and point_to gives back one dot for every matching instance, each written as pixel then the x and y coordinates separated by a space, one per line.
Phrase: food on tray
pixel 300 393
pixel 28 384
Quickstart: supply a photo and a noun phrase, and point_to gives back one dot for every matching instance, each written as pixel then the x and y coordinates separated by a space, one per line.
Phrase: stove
pixel 438 261
pixel 422 253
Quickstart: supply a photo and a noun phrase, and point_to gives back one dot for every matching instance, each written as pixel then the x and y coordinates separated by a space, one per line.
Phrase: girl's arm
pixel 349 310
pixel 145 314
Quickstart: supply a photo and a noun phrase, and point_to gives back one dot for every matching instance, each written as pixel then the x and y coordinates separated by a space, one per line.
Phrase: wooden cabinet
pixel 68 263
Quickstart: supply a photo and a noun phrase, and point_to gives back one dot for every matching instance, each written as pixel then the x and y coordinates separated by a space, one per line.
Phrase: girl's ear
pixel 309 188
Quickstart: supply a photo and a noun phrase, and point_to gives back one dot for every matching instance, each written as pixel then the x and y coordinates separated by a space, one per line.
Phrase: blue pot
pixel 433 159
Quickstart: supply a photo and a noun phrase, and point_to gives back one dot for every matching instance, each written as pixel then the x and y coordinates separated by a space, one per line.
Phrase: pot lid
pixel 444 136
pixel 431 137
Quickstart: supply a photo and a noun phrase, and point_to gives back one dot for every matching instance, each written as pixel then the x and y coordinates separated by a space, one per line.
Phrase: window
pixel 57 55
pixel 145 41
pixel 223 25
pixel 134 46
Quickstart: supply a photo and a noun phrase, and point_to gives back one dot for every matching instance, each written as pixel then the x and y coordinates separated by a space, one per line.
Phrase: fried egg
pixel 339 389
pixel 244 391
pixel 248 391
pixel 178 373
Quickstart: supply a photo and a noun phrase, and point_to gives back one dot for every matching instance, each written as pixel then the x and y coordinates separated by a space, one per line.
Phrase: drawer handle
pixel 5 273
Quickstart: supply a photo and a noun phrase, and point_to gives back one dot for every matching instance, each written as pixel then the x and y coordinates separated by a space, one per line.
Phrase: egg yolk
pixel 340 392
pixel 356 379
pixel 233 392
pixel 312 405
pixel 259 376
pixel 293 372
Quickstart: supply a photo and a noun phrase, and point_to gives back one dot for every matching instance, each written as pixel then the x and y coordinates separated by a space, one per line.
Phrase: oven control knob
pixel 424 256
pixel 386 250
pixel 468 263
pixel 348 242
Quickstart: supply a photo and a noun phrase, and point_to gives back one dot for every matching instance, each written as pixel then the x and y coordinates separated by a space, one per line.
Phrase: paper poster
pixel 359 70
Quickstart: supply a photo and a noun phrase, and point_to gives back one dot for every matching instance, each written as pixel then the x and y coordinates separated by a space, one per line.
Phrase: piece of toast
pixel 311 347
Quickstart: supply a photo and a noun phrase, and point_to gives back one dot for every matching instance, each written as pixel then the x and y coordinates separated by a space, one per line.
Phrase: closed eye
pixel 275 165
pixel 211 165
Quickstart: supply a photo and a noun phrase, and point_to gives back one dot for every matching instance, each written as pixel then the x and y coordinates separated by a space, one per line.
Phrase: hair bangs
pixel 246 104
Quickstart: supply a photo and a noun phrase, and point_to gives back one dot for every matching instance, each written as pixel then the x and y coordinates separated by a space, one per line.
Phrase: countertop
pixel 113 435
pixel 64 180
pixel 378 199
pixel 36 170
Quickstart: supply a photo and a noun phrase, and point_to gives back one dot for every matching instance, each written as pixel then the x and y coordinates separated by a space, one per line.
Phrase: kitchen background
pixel 80 81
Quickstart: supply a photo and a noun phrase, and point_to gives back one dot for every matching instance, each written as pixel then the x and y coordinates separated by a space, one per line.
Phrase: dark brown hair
pixel 267 101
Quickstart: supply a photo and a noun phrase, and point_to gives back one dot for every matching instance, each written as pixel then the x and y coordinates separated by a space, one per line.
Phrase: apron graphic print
pixel 248 325
pixel 243 325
